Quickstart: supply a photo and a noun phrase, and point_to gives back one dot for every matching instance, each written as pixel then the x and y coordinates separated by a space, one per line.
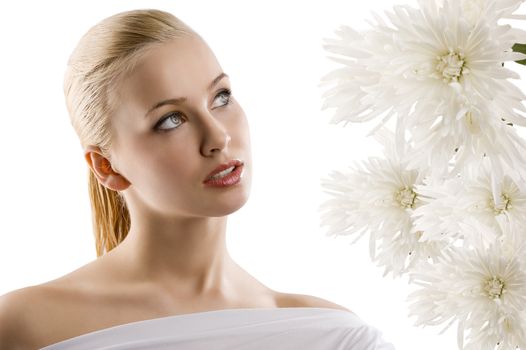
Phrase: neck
pixel 188 254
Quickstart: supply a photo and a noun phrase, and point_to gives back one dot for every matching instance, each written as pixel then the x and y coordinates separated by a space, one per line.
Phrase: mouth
pixel 226 178
pixel 224 169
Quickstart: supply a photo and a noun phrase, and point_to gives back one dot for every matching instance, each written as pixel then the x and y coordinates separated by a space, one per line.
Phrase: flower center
pixel 505 204
pixel 406 197
pixel 450 66
pixel 494 287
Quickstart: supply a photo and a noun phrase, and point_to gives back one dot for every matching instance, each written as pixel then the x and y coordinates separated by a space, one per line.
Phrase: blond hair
pixel 104 55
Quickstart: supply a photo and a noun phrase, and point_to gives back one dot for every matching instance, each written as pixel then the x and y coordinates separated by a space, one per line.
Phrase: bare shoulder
pixel 305 300
pixel 17 314
pixel 44 314
pixel 35 316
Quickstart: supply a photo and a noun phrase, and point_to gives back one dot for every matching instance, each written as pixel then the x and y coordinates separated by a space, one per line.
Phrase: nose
pixel 215 136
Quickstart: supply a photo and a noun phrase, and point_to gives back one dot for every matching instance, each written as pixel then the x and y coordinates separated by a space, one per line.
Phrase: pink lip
pixel 233 178
pixel 221 167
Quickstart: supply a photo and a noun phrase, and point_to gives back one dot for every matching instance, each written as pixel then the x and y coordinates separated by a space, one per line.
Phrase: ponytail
pixel 110 216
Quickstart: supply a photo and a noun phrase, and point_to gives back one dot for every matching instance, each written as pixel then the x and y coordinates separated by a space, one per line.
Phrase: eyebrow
pixel 179 100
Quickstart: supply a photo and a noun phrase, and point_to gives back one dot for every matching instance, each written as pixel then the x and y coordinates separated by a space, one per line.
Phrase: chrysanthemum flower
pixel 477 196
pixel 441 75
pixel 495 201
pixel 484 290
pixel 378 197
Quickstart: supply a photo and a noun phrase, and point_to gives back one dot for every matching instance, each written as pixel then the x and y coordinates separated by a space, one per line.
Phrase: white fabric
pixel 289 328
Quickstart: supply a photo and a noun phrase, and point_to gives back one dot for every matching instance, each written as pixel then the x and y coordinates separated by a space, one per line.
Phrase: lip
pixel 231 179
pixel 221 167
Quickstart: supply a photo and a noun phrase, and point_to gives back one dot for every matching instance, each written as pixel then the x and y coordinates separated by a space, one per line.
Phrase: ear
pixel 103 170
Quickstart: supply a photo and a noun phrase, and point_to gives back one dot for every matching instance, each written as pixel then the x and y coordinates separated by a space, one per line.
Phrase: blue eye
pixel 176 117
pixel 172 116
pixel 226 93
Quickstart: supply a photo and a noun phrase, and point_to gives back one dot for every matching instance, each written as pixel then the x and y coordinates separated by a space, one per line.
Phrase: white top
pixel 288 328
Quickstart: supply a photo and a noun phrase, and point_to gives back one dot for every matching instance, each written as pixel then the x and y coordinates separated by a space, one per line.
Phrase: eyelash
pixel 226 92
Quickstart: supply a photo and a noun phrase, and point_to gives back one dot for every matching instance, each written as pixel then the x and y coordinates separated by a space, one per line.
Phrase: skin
pixel 174 259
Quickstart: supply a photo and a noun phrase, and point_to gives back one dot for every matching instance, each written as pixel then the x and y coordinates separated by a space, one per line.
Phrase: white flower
pixel 379 197
pixel 484 290
pixel 477 196
pixel 441 76
pixel 495 201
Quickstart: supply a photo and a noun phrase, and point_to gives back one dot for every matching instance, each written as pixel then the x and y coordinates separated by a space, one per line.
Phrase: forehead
pixel 173 69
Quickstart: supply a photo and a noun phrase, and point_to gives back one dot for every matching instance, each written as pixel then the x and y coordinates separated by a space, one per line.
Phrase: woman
pixel 168 150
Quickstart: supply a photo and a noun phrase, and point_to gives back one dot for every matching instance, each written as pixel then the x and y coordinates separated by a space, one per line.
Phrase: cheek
pixel 156 167
pixel 163 180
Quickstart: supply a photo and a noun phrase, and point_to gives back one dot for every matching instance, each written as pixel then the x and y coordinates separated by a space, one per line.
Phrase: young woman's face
pixel 167 152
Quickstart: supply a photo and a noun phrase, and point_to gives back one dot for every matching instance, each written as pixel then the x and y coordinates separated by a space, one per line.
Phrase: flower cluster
pixel 446 205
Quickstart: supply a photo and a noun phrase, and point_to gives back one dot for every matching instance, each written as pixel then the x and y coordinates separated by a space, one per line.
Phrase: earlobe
pixel 103 170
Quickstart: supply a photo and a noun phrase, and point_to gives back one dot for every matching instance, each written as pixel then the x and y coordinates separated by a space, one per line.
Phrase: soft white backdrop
pixel 272 52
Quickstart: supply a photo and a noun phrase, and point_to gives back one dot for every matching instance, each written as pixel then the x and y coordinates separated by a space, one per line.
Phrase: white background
pixel 273 54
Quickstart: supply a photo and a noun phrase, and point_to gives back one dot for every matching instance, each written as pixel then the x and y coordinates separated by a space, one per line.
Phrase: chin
pixel 227 206
pixel 230 201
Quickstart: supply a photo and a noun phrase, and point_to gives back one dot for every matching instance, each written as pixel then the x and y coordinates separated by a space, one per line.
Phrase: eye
pixel 226 95
pixel 171 117
pixel 176 117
